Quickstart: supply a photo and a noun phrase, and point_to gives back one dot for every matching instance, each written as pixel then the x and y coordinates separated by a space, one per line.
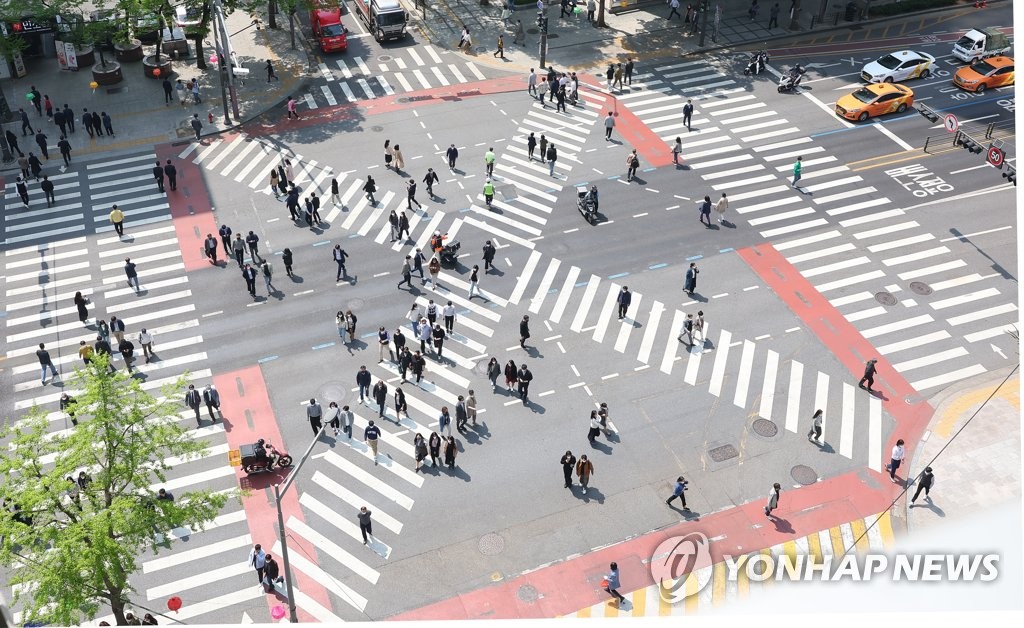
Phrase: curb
pixel 939 402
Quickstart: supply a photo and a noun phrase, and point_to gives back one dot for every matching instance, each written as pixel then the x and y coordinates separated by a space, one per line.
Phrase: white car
pixel 898 66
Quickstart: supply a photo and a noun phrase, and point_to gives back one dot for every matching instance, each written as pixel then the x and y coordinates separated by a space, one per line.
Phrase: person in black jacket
pixel 524 331
pixel 192 399
pixel 158 174
pixel 568 463
pixel 271 574
pixel 380 395
pixel 172 175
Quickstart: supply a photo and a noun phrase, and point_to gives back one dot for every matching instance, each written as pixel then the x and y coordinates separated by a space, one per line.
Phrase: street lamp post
pixel 279 491
pixel 220 73
pixel 542 22
pixel 230 59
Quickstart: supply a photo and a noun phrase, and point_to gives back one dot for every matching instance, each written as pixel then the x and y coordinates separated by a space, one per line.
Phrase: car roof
pixel 903 55
pixel 886 88
pixel 999 61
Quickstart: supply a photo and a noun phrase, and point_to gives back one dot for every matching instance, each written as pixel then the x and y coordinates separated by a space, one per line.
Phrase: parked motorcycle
pixel 757 62
pixel 789 82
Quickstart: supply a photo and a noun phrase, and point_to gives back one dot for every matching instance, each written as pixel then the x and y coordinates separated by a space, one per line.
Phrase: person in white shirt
pixel 258 560
pixel 896 459
pixel 449 317
pixel 146 340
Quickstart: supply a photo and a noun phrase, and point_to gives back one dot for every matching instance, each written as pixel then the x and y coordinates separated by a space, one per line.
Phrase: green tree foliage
pixel 73 550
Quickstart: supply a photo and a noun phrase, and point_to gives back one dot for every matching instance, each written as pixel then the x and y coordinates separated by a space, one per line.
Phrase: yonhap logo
pixel 675 564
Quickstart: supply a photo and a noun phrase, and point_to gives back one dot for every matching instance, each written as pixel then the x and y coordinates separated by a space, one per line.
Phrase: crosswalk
pixel 714 586
pixel 352 79
pixel 749 373
pixel 844 235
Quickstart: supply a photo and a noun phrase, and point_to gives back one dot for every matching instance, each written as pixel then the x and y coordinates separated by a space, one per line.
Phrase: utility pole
pixel 230 59
pixel 704 5
pixel 220 71
pixel 542 22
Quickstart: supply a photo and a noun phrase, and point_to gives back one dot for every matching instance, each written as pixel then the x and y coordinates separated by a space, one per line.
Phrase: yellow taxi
pixel 875 99
pixel 983 74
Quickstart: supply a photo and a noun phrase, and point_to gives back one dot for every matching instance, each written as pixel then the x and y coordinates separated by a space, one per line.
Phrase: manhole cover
pixel 921 288
pixel 803 475
pixel 722 453
pixel 384 58
pixel 332 391
pixel 491 544
pixel 377 129
pixel 115 90
pixel 886 298
pixel 528 593
pixel 355 305
pixel 764 427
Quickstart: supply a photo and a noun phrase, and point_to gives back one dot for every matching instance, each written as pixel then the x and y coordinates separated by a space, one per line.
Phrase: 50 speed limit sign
pixel 995 157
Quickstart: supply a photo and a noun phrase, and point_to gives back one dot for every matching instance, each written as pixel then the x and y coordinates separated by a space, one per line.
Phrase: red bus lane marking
pixel 845 342
pixel 248 417
pixel 568 586
pixel 636 134
pixel 191 207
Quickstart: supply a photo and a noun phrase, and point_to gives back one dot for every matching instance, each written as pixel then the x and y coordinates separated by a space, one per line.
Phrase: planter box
pixel 110 75
pixel 130 52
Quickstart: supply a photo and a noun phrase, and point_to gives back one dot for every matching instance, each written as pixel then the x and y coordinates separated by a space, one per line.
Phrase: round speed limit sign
pixel 995 157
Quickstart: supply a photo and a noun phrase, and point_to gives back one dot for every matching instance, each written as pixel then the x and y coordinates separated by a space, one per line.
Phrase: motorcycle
pixel 450 253
pixel 789 82
pixel 261 456
pixel 757 62
pixel 586 202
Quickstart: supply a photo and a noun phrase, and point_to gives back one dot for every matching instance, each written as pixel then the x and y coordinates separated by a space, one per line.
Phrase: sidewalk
pixel 136 104
pixel 980 466
pixel 643 33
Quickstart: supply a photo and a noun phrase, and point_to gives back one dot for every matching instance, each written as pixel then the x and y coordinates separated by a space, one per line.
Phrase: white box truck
pixel 979 43
pixel 386 19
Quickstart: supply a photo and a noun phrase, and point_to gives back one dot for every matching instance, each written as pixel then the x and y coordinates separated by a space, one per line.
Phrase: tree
pixel 794 19
pixel 75 548
pixel 600 13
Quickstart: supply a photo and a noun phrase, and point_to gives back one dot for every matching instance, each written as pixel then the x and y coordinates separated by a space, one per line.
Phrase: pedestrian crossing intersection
pixel 353 79
pixel 750 374
pixel 842 233
pixel 714 586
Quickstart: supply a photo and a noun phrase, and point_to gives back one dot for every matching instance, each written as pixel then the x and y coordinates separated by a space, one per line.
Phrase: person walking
pixel 81 303
pixel 64 146
pixel 238 248
pixel 45 362
pixel 488 191
pixel 677 151
pixel 438 336
pixel 815 432
pixel 618 76
pixel 869 375
pixel 410 188
pixel 271 75
pixel 584 469
pixel 393 224
pixel 252 241
pixel 611 579
pixel 146 342
pixel 434 447
pixel 568 463
pixel 474 283
pixel 315 414
pixel 365 524
pixel 591 9
pixel 675 10
pixel 12 140
pixel 211 397
pixel 132 273
pixel 704 207
pixel 267 273
pixel 895 459
pixel 335 192
pixel 26 125
pixel 687 114
pixel 258 561
pixel 370 187
pixel 720 208
pixel 286 259
pixel 632 163
pixel 773 499
pixel 679 492
pixel 249 274
pixel 448 313
pixel 41 141
pixel 22 188
pixel 179 87
pixel 524 330
pixel 172 175
pixel 524 377
pixel 197 125
pixel 292 106
pixel 489 161
pixel 461 414
pixel 511 374
pixel 609 124
pixel 401 406
pixel 399 159
pixel 429 180
pixel 434 269
pixel 194 400
pixel 493 372
pixel 107 124
pixel 691 279
pixel 489 253
pixel 380 395
pixel 500 52
pixel 451 154
pixel 798 167
pixel 158 174
pixel 624 299
pixel 271 575
pixel 23 165
pixel 552 156
pixel 406 272
pixel 117 328
pixel 629 71
pixel 339 258
pixel 168 91
pixel 363 380
pixel 210 248
pixel 371 435
pixel 925 482
pixel 117 220
pixel 595 427
pixel 196 100
pixel 531 145
pixel 47 187
pixel 35 166
pixel 773 16
pixel 225 239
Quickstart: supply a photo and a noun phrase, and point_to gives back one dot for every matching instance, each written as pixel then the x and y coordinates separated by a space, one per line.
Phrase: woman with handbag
pixel 511 376
pixel 493 371
pixel 81 302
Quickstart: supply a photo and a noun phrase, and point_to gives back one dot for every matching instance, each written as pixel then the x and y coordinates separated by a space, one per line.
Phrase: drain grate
pixel 921 288
pixel 886 298
pixel 803 475
pixel 528 593
pixel 384 58
pixel 764 427
pixel 491 544
pixel 723 453
pixel 355 305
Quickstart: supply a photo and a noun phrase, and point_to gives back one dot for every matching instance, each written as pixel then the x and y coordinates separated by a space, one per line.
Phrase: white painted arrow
pixel 998 350
pixel 245 618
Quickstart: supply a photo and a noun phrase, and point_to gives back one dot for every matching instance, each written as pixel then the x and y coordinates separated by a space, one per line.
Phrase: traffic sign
pixel 952 124
pixel 995 157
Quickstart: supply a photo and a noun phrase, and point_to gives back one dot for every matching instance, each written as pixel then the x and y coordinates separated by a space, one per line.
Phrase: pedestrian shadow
pixel 480 430
pixel 534 406
pixel 494 270
pixel 696 296
pixel 685 513
pixel 277 294
pixel 930 505
pixel 296 278
pixel 637 179
pixel 612 140
pixel 601 447
pixel 683 167
pixel 591 494
pixel 318 228
pixel 460 473
pixel 613 437
pixel 533 351
pixel 357 344
pixel 824 447
pixel 728 224
pixel 712 227
pixel 440 200
pixel 782 526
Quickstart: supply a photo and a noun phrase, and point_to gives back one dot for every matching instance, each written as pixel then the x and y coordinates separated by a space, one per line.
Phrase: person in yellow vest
pixel 117 219
pixel 488 191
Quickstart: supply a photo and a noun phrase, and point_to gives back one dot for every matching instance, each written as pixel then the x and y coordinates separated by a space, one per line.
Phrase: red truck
pixel 330 33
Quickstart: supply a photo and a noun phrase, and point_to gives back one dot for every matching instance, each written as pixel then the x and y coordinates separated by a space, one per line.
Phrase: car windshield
pixel 393 18
pixel 965 42
pixel 889 62
pixel 983 68
pixel 332 30
pixel 864 95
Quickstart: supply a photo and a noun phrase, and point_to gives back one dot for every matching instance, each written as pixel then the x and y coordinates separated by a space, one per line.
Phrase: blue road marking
pixel 464 210
pixel 648 169
pixel 657 266
pixel 690 259
pixel 266 359
pixel 325 345
pixel 354 235
pixel 321 243
pixel 616 276
pixel 614 177
pixel 728 250
pixel 580 284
